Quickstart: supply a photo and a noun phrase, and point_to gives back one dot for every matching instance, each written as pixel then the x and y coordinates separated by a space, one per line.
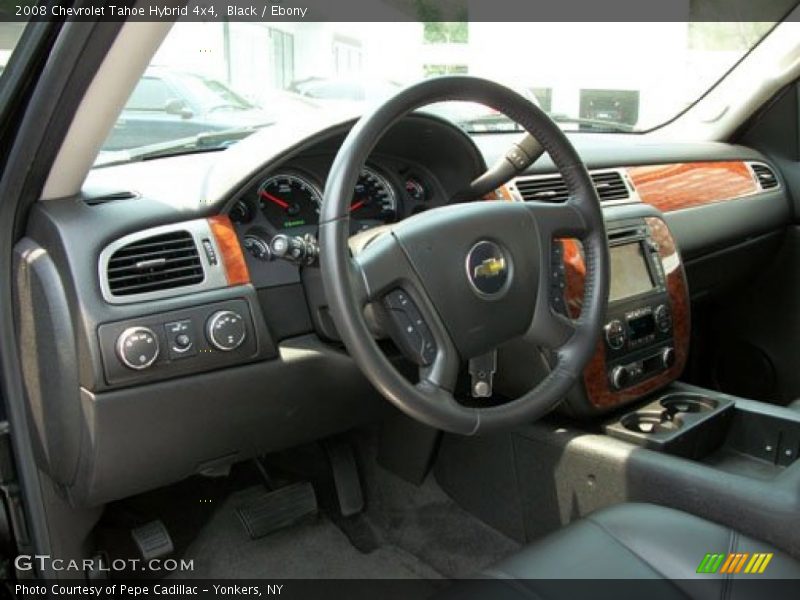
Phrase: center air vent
pixel 543 189
pixel 151 264
pixel 765 176
pixel 610 187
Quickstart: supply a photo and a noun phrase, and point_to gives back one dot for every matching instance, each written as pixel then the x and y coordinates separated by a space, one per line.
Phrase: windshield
pixel 212 78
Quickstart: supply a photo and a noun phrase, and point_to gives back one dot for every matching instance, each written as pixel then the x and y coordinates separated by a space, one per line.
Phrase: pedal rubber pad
pixel 153 540
pixel 345 477
pixel 277 509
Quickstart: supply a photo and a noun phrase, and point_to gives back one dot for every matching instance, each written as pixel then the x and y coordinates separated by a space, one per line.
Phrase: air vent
pixel 155 263
pixel 765 176
pixel 610 187
pixel 543 189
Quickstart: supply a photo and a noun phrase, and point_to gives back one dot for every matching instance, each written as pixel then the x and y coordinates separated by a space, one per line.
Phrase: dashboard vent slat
pixel 765 176
pixel 609 185
pixel 160 262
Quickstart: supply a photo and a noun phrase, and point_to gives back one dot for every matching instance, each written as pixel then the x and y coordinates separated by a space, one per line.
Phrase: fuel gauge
pixel 415 190
pixel 241 213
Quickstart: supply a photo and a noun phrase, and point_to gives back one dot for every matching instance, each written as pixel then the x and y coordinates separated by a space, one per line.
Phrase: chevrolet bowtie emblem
pixel 491 267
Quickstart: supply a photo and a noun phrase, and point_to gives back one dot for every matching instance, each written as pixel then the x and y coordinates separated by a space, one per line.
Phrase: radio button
pixel 615 334
pixel 663 318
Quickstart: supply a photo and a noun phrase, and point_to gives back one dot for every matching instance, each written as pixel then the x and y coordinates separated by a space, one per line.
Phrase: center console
pixel 645 339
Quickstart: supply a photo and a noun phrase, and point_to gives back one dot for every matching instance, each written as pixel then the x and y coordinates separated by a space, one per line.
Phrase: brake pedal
pixel 153 540
pixel 280 508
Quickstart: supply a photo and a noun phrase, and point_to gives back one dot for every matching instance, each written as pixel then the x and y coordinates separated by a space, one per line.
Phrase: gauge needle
pixel 357 205
pixel 275 199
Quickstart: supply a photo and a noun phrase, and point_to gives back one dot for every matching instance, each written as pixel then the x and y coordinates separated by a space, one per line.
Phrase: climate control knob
pixel 226 330
pixel 620 377
pixel 137 347
pixel 667 357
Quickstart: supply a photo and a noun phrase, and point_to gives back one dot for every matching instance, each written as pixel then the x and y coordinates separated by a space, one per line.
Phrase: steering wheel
pixel 463 279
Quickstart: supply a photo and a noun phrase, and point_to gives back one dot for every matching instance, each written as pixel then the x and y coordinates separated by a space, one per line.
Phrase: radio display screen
pixel 642 326
pixel 629 272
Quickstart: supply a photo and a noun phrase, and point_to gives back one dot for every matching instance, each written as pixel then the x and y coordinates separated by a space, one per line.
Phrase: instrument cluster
pixel 285 205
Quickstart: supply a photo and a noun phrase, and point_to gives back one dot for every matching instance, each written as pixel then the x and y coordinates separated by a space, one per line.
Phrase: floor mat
pixel 315 549
pixel 427 523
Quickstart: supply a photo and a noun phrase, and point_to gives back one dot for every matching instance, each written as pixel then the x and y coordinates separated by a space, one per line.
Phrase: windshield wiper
pixel 202 142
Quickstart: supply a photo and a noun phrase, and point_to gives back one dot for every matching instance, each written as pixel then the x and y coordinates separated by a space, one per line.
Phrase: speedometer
pixel 374 199
pixel 289 200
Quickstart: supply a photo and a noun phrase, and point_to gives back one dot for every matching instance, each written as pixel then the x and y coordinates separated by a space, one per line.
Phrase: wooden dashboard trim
pixel 595 376
pixel 677 186
pixel 230 250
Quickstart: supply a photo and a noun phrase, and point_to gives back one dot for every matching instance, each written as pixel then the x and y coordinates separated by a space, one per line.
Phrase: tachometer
pixel 374 199
pixel 289 200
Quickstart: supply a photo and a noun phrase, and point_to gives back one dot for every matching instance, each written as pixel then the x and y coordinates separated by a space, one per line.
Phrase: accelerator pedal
pixel 153 540
pixel 277 509
pixel 345 477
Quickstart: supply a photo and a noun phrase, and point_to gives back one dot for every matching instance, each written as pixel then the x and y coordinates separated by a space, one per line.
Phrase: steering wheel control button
pixel 180 338
pixel 410 330
pixel 137 348
pixel 488 269
pixel 558 279
pixel 615 334
pixel 226 330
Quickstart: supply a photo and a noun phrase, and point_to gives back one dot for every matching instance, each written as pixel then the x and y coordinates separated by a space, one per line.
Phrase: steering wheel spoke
pixel 551 329
pixel 558 220
pixel 385 277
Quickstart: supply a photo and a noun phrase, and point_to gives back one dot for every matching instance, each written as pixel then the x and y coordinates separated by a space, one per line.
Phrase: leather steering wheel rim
pixel 417 257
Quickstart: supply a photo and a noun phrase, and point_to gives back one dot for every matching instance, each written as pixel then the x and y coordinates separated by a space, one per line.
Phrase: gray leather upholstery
pixel 631 541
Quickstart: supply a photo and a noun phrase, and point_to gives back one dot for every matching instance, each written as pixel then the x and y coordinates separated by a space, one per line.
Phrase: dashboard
pixel 238 358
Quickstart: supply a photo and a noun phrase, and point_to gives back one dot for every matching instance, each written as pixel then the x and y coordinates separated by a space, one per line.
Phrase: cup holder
pixel 651 422
pixel 688 403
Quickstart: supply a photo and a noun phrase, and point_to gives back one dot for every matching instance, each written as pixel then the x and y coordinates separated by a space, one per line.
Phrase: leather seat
pixel 631 541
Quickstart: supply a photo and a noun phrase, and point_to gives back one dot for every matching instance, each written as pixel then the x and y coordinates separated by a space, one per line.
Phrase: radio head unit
pixel 638 330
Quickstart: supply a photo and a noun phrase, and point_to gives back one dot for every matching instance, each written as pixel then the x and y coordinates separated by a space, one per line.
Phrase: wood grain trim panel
pixel 686 185
pixel 595 376
pixel 231 251
pixel 501 193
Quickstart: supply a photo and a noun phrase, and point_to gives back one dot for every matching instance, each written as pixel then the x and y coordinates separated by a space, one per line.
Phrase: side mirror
pixel 176 106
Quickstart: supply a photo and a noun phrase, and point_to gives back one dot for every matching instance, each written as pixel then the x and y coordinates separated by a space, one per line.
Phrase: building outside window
pixel 347 56
pixel 282 50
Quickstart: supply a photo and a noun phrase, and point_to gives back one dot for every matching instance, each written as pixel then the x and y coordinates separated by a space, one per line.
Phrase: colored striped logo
pixel 738 562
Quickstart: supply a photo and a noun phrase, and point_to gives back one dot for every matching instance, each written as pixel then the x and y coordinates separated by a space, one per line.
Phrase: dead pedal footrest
pixel 277 509
pixel 153 540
